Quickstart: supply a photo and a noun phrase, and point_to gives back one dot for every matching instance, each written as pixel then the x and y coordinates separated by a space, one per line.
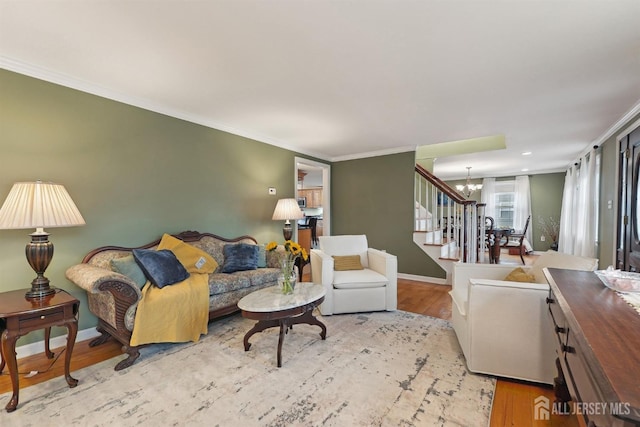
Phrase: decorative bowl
pixel 621 281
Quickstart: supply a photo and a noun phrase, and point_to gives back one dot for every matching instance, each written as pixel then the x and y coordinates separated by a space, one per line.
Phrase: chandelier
pixel 468 189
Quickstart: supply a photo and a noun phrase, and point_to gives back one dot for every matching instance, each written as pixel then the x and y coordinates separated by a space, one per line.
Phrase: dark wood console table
pixel 19 316
pixel 598 348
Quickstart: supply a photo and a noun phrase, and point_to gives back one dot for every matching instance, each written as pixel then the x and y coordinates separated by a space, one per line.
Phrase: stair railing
pixel 448 216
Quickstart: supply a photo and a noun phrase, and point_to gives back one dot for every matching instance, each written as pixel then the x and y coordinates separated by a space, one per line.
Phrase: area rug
pixel 374 369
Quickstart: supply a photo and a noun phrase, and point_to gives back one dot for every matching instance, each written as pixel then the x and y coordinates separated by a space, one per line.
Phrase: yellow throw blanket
pixel 175 313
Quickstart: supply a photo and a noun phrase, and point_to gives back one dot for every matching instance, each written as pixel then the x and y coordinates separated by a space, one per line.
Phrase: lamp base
pixel 287 232
pixel 39 293
pixel 39 253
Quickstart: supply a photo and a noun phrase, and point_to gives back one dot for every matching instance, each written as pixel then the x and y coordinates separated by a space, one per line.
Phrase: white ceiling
pixel 347 79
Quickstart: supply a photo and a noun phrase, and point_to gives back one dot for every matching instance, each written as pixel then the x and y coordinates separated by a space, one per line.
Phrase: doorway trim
pixel 620 242
pixel 300 162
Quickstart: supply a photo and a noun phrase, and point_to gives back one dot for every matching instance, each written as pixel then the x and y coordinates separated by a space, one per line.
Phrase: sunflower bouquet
pixel 292 251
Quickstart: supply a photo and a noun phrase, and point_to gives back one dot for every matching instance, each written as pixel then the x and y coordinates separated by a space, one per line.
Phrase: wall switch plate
pixel 542 238
pixel 272 191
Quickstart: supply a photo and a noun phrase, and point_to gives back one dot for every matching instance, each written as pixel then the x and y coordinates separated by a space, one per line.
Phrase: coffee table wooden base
pixel 284 319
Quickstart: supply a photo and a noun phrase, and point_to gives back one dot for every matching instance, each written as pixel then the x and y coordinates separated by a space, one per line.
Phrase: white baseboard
pixel 434 280
pixel 59 341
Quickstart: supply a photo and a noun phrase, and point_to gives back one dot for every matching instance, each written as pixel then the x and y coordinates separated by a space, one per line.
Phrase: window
pixel 504 199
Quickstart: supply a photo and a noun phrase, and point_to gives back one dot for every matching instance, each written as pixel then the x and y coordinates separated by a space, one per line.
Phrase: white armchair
pixel 504 327
pixel 373 288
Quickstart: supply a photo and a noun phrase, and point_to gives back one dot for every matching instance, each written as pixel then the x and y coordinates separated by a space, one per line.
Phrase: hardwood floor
pixel 513 400
pixel 512 404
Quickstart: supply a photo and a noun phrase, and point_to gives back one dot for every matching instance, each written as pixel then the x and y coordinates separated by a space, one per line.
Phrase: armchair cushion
pixel 355 279
pixel 347 262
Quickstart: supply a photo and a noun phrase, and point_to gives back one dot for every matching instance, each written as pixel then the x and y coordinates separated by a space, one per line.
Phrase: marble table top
pixel 272 299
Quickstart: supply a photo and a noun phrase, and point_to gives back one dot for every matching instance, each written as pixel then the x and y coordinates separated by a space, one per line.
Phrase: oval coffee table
pixel 271 308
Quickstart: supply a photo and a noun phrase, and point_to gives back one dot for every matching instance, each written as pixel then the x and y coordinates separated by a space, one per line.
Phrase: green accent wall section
pixel 134 174
pixel 374 196
pixel 546 201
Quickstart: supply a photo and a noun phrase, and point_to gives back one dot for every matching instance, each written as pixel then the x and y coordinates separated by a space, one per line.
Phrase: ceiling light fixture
pixel 468 189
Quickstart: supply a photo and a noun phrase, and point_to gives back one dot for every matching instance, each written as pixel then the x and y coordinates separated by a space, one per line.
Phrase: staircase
pixel 447 227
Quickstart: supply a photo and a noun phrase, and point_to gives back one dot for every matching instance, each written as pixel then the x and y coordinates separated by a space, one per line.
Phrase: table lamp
pixel 287 209
pixel 38 205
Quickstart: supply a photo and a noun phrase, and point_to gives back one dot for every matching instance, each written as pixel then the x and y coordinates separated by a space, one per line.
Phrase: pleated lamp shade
pixel 287 209
pixel 39 205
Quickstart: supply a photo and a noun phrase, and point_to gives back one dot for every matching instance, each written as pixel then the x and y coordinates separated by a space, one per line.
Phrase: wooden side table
pixel 19 316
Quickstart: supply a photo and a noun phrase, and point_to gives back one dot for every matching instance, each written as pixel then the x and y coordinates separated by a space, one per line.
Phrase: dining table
pixel 494 239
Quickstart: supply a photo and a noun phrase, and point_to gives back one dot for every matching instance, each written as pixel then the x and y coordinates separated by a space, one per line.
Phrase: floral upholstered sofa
pixel 113 296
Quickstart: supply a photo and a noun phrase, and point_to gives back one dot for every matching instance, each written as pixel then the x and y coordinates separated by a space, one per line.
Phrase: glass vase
pixel 287 278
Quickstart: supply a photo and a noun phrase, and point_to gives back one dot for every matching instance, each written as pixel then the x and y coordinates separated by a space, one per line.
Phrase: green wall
pixel 374 196
pixel 546 201
pixel 133 174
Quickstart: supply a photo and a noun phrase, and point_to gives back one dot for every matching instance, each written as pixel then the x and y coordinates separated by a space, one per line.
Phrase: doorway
pixel 628 252
pixel 313 191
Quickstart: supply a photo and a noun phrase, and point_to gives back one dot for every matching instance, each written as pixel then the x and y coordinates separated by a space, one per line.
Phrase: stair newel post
pixel 473 232
pixel 482 232
pixel 449 230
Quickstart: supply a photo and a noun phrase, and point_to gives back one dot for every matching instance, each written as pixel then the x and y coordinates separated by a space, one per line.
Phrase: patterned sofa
pixel 113 297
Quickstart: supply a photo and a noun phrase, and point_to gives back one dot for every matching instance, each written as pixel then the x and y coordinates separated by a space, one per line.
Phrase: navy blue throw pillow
pixel 239 257
pixel 161 267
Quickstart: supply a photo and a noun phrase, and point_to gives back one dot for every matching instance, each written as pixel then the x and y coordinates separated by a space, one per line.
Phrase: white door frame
pixel 326 189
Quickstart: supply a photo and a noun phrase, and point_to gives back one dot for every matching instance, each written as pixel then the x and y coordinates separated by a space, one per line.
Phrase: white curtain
pixel 565 238
pixel 578 221
pixel 522 205
pixel 488 196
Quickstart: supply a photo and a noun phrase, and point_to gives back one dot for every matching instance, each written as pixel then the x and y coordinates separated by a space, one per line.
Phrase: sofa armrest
pixel 95 279
pixel 322 273
pixel 464 272
pixel 507 284
pixel 382 262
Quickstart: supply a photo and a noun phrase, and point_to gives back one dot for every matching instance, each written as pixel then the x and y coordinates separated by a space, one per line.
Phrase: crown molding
pixel 378 153
pixel 94 89
pixel 617 126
